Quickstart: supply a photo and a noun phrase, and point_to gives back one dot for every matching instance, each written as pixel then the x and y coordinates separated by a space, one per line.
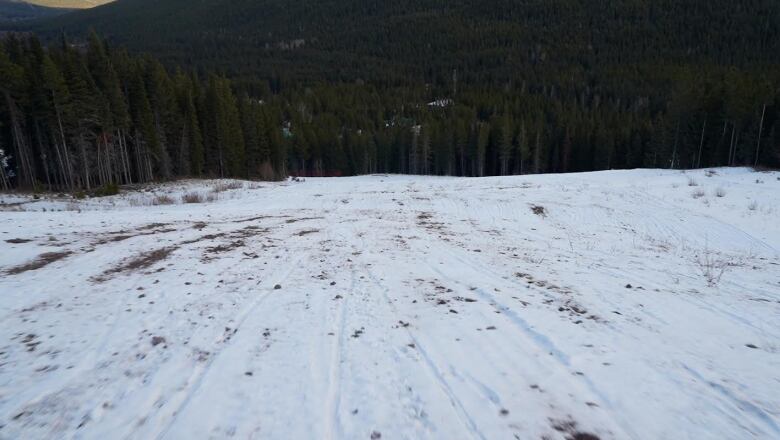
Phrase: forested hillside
pixel 93 119
pixel 345 86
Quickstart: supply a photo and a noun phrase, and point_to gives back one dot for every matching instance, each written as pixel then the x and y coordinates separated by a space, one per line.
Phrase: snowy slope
pixel 605 305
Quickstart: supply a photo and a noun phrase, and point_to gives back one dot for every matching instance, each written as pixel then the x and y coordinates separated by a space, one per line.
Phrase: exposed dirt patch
pixel 539 210
pixel 226 247
pixel 569 428
pixel 18 240
pixel 295 220
pixel 204 237
pixel 260 217
pixel 425 220
pixel 116 238
pixel 212 251
pixel 152 226
pixel 41 261
pixel 249 231
pixel 141 261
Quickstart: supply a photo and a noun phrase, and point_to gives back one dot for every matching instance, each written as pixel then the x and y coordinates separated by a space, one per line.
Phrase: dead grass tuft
pixel 193 197
pixel 225 186
pixel 142 261
pixel 163 200
pixel 41 261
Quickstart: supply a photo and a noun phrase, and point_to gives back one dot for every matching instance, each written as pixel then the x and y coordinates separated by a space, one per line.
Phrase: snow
pixel 397 306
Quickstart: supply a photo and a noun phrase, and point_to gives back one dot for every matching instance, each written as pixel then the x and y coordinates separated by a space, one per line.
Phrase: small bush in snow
pixel 109 189
pixel 163 200
pixel 192 197
pixel 720 192
pixel 224 186
pixel 710 173
pixel 692 182
pixel 712 266
pixel 697 194
pixel 753 205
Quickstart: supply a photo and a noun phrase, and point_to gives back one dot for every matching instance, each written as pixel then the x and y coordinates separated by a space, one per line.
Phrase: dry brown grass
pixel 41 261
pixel 225 186
pixel 192 197
pixel 142 261
pixel 163 200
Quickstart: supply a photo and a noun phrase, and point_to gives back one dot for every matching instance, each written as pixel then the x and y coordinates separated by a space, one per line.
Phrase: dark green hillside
pixel 460 87
pixel 489 42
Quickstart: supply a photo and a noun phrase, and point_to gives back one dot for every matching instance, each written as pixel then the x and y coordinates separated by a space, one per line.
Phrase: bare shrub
pixel 710 173
pixel 193 197
pixel 720 192
pixel 163 200
pixel 692 182
pixel 225 186
pixel 699 193
pixel 712 265
pixel 753 205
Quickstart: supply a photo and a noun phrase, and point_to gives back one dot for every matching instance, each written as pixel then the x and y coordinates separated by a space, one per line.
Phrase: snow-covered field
pixel 625 304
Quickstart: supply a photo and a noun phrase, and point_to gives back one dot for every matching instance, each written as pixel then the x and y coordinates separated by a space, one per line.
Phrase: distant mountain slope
pixel 68 4
pixel 16 10
pixel 487 41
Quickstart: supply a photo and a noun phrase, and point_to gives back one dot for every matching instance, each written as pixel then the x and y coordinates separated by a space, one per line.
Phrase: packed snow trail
pixel 626 304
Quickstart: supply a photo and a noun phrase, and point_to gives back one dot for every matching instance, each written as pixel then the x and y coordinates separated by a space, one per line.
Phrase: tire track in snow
pixel 333 429
pixel 198 375
pixel 433 369
pixel 749 408
pixel 541 340
pixel 741 404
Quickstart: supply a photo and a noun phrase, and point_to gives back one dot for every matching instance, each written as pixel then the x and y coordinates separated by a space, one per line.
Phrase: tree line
pixel 89 116
pixel 86 117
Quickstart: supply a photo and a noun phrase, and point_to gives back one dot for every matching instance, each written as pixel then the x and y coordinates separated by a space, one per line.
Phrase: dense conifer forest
pixel 269 88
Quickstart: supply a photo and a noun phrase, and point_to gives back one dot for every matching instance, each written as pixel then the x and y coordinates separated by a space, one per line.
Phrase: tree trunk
pixel 26 175
pixel 701 142
pixel 65 157
pixel 760 129
pixel 674 150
